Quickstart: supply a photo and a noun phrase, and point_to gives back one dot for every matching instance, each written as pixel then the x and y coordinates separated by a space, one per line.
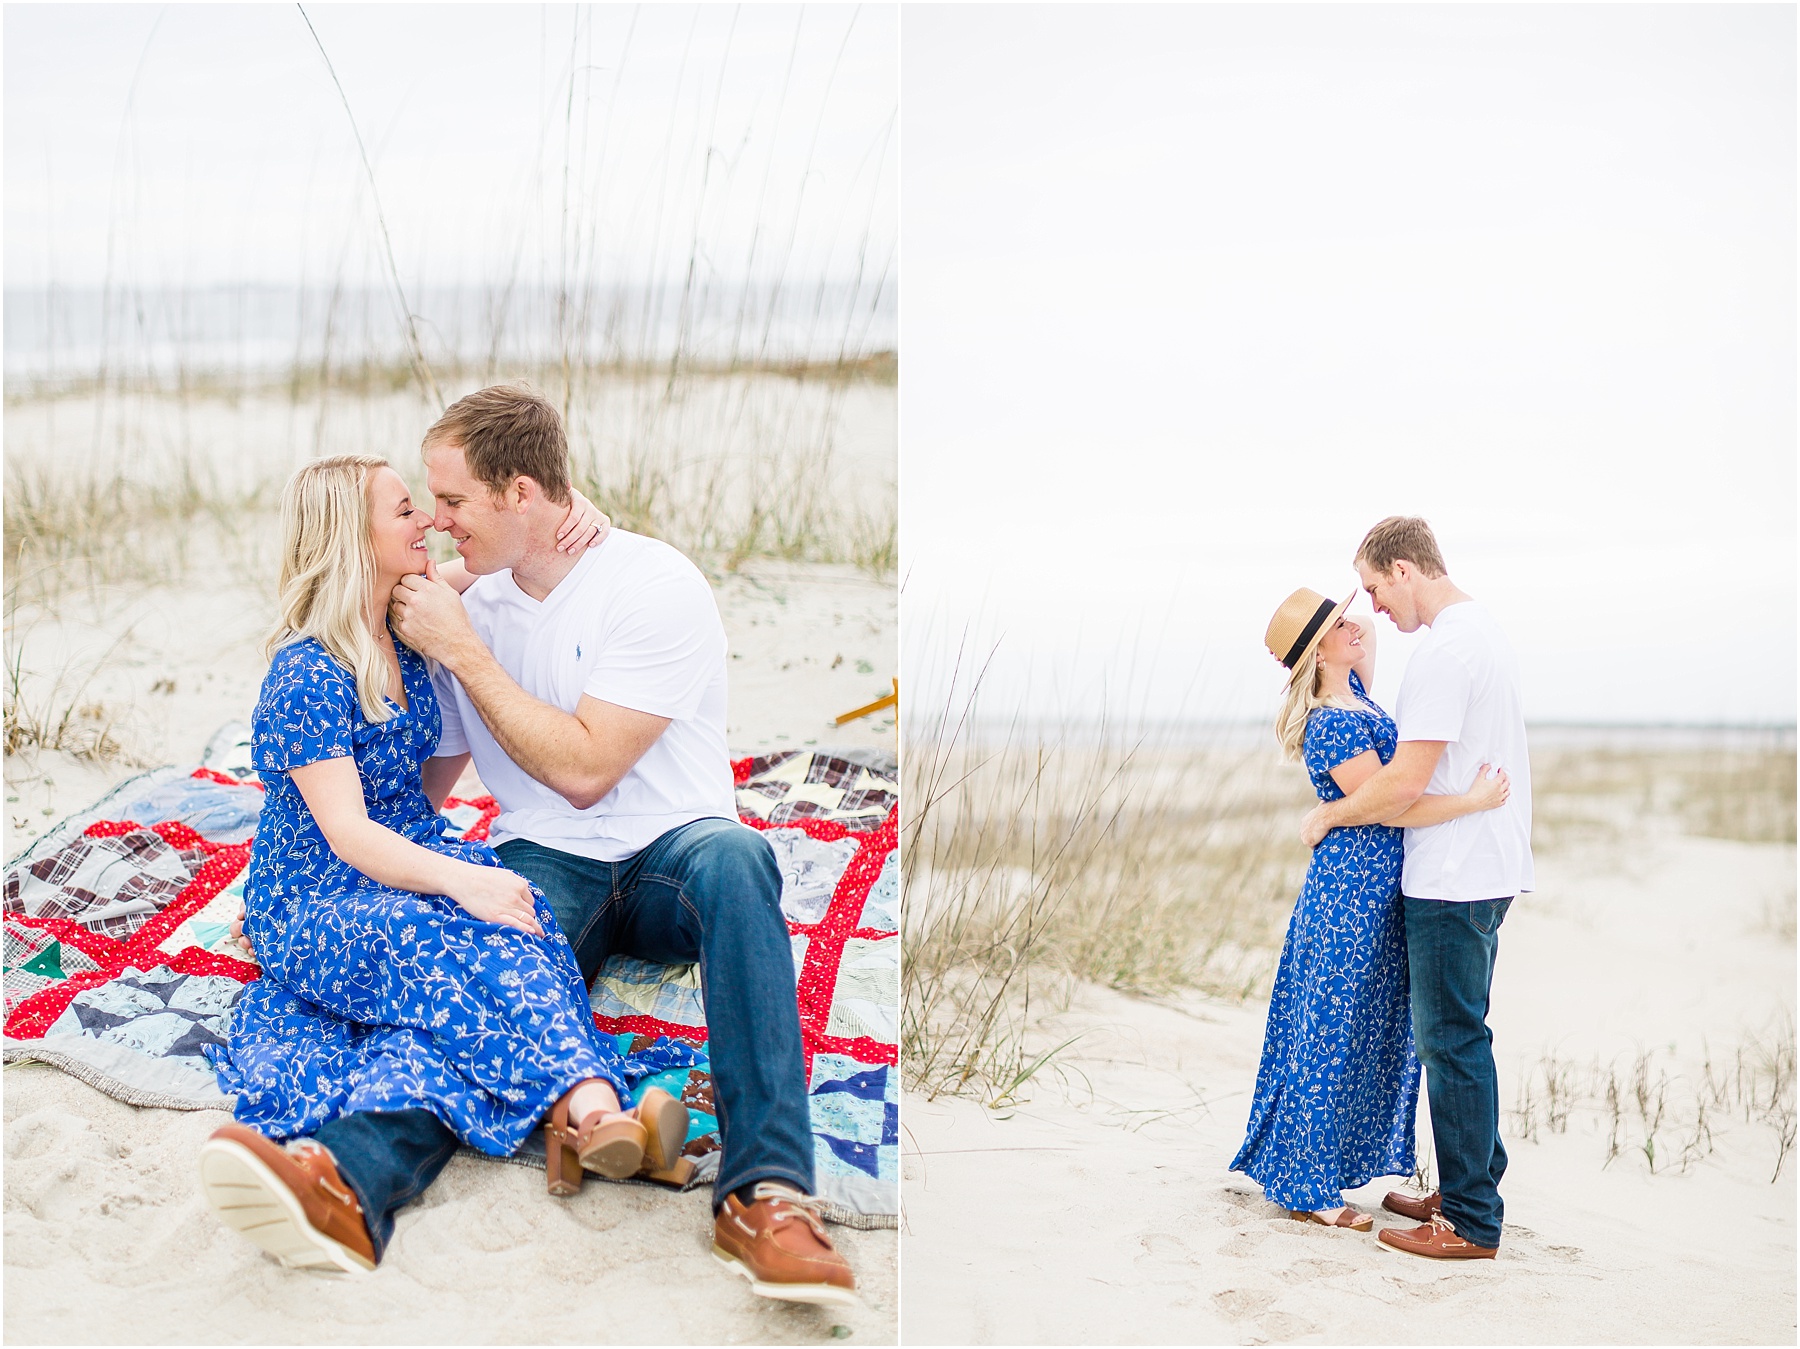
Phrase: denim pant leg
pixel 706 892
pixel 579 891
pixel 388 1158
pixel 1451 948
pixel 711 891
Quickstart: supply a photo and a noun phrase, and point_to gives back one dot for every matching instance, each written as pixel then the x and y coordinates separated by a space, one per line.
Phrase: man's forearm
pixel 1382 798
pixel 533 734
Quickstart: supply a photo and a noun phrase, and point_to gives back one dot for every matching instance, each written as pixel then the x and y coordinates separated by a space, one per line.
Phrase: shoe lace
pixel 324 1176
pixel 788 1204
pixel 1442 1224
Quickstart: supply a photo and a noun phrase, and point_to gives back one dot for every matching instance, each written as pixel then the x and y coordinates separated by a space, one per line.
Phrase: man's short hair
pixel 504 431
pixel 1402 537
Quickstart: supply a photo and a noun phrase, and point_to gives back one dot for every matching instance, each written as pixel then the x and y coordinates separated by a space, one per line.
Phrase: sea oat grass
pixel 1030 866
pixel 1665 1113
pixel 1037 859
pixel 59 712
pixel 1605 794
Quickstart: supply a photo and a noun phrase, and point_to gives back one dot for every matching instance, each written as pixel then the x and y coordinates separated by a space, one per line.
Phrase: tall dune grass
pixel 1036 857
pixel 734 398
pixel 1654 1112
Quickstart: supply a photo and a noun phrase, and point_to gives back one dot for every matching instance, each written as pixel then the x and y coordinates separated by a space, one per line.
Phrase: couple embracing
pixel 1418 851
pixel 420 992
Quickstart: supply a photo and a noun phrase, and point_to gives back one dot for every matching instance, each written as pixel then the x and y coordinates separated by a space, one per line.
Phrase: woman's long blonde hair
pixel 327 570
pixel 1303 695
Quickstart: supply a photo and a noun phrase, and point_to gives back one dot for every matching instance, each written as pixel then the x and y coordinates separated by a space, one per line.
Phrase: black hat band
pixel 1307 633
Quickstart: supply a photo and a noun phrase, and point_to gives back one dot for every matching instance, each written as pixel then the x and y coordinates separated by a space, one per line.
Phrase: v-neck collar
pixel 562 587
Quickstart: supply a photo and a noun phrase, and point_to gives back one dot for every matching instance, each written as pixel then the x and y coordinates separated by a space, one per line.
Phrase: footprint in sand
pixel 1242 1303
pixel 1169 1260
pixel 1243 1245
pixel 1307 1271
pixel 1282 1328
pixel 1522 1242
pixel 39 1136
pixel 1161 1246
pixel 1245 1304
pixel 1240 1208
pixel 1436 1289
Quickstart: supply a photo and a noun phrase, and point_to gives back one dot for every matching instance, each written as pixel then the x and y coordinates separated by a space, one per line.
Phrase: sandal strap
pixel 556 1123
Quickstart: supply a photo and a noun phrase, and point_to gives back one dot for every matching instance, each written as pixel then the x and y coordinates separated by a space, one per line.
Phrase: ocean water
pixel 59 335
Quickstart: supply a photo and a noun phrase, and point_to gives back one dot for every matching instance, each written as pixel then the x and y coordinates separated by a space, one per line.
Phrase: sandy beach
pixel 107 1240
pixel 1107 1213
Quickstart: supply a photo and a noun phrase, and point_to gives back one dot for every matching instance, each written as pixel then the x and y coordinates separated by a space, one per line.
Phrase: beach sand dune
pixel 1107 1215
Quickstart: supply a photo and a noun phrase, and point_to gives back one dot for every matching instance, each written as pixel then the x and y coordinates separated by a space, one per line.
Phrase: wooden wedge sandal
pixel 562 1158
pixel 665 1122
pixel 613 1148
pixel 1346 1217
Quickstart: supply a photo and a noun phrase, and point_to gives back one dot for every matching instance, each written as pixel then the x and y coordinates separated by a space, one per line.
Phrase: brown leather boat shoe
pixel 1418 1207
pixel 778 1243
pixel 289 1201
pixel 1436 1239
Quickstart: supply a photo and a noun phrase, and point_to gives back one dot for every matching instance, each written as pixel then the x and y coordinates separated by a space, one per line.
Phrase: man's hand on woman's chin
pixel 429 616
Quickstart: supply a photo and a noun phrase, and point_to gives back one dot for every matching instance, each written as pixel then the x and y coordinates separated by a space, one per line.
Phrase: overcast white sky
pixel 1195 295
pixel 194 144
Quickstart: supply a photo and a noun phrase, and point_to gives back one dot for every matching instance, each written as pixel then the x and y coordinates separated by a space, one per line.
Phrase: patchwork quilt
pixel 119 966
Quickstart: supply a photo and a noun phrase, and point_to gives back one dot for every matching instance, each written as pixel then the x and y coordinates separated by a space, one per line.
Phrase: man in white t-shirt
pixel 590 691
pixel 1458 708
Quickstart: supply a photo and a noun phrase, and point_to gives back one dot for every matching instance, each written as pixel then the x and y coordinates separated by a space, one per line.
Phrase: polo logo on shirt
pixel 578 651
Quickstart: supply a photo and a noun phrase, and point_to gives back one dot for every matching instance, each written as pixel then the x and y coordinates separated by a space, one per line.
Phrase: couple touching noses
pixel 1421 840
pixel 420 992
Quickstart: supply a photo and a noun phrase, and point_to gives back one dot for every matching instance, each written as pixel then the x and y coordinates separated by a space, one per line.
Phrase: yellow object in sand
pixel 889 701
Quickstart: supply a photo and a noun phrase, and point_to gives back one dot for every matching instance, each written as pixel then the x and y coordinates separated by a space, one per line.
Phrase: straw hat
pixel 1303 618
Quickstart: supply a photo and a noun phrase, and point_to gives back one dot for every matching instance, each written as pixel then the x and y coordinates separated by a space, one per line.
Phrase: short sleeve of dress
pixel 308 710
pixel 1335 735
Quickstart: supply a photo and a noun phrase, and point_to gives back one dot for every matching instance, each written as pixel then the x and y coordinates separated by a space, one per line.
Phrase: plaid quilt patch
pixel 110 884
pixel 795 785
pixel 119 965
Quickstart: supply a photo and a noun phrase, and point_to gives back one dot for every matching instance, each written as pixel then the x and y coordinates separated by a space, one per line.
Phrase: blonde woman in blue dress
pixel 406 973
pixel 1338 1087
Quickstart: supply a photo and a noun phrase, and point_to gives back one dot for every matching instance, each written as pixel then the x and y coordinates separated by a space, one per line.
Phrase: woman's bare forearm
pixel 455 574
pixel 389 859
pixel 332 790
pixel 1429 810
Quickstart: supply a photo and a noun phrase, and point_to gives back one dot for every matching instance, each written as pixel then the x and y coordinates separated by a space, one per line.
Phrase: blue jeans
pixel 707 892
pixel 1451 947
pixel 710 892
pixel 388 1158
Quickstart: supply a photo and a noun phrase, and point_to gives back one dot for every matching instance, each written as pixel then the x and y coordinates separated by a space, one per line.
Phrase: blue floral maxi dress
pixel 376 999
pixel 1338 1087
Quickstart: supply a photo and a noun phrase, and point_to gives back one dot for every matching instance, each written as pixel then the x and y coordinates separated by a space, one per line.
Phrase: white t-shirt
pixel 635 624
pixel 1462 686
